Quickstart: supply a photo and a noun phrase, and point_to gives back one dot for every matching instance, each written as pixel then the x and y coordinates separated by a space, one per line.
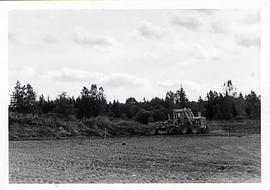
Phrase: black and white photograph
pixel 124 96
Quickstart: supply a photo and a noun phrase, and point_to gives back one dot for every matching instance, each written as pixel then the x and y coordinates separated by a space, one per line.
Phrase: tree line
pixel 225 105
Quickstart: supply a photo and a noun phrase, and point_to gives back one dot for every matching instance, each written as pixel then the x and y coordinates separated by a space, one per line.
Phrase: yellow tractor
pixel 183 122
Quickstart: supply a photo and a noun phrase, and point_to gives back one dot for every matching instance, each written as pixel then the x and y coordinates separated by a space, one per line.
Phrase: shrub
pixel 143 116
pixel 41 126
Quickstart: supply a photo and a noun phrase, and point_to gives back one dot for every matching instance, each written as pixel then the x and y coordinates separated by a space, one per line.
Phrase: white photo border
pixel 263 5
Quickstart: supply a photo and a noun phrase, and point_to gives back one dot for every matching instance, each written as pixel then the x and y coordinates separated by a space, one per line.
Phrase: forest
pixel 91 102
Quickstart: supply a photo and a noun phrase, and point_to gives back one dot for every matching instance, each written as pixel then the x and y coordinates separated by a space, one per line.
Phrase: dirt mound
pixel 47 126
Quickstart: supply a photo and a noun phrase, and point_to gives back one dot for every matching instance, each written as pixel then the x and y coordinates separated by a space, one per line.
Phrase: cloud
pixel 175 84
pixel 11 37
pixel 27 70
pixel 219 27
pixel 73 75
pixel 122 80
pixel 24 72
pixel 199 52
pixel 253 17
pixel 151 31
pixel 85 38
pixel 169 84
pixel 115 80
pixel 206 11
pixel 251 40
pixel 189 22
pixel 49 39
pixel 38 39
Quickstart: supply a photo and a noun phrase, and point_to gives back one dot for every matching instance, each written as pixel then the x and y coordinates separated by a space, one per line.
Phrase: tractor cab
pixel 185 119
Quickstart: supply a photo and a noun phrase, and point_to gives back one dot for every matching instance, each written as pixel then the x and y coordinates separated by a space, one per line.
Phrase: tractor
pixel 183 122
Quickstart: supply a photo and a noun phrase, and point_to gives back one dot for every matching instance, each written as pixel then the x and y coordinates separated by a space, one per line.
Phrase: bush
pixel 144 116
pixel 160 115
pixel 240 117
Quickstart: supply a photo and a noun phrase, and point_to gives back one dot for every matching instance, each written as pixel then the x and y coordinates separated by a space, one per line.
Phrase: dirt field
pixel 148 159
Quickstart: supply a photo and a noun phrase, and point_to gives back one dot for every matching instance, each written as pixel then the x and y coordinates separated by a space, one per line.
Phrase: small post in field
pixel 105 133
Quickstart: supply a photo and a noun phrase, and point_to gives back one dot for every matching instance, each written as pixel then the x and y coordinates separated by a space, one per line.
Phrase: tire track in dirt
pixel 138 160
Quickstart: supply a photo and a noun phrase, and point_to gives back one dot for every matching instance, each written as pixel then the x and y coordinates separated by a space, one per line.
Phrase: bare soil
pixel 146 159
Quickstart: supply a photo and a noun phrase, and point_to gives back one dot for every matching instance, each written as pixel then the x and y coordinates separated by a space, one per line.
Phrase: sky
pixel 134 53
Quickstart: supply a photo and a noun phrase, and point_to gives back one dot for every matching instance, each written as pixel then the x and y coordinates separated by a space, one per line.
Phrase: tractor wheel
pixel 205 130
pixel 184 130
pixel 169 129
pixel 196 130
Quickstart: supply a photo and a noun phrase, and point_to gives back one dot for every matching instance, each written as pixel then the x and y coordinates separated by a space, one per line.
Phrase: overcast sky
pixel 138 53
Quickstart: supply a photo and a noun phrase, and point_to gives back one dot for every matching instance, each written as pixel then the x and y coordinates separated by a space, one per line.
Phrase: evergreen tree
pixel 92 102
pixel 17 98
pixel 23 99
pixel 180 98
pixel 30 99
